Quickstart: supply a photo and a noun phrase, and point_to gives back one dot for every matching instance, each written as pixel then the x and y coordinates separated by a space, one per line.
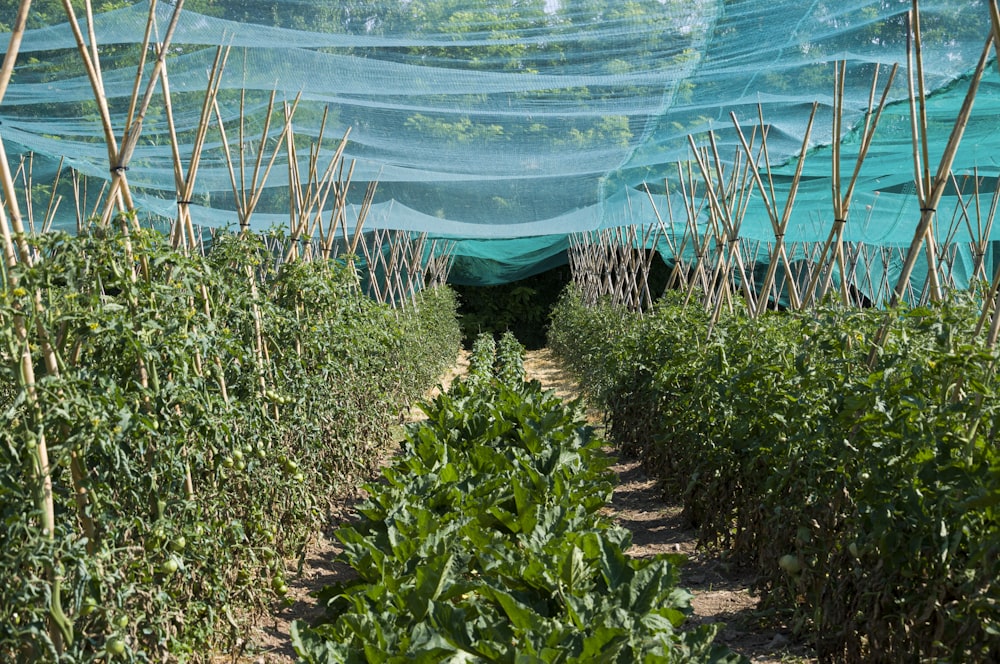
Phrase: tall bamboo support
pixel 991 302
pixel 395 265
pixel 980 234
pixel 693 208
pixel 614 263
pixel 119 154
pixel 24 175
pixel 728 198
pixel 246 197
pixel 441 258
pixel 679 273
pixel 182 230
pixel 779 224
pixel 842 200
pixel 930 192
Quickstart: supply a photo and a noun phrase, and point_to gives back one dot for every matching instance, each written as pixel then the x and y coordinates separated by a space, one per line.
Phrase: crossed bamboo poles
pixel 707 262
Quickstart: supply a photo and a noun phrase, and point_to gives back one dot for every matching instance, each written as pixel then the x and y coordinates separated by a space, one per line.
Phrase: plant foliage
pixel 202 415
pixel 485 543
pixel 864 494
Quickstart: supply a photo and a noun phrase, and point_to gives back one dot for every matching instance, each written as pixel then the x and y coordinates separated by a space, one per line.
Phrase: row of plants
pixel 484 543
pixel 862 485
pixel 190 420
pixel 490 359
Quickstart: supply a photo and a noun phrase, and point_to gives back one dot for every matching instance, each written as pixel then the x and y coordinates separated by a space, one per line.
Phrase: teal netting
pixel 520 120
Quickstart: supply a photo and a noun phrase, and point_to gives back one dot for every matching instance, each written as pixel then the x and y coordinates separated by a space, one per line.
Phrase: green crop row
pixel 198 416
pixel 484 544
pixel 491 360
pixel 864 488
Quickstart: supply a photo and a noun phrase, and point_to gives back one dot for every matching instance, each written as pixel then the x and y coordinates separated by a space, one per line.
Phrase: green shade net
pixel 508 124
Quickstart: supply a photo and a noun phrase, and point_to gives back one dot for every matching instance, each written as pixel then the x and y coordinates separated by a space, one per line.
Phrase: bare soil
pixel 721 593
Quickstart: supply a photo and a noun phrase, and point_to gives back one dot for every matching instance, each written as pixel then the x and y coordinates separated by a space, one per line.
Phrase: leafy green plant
pixel 482 358
pixel 484 543
pixel 510 359
pixel 521 307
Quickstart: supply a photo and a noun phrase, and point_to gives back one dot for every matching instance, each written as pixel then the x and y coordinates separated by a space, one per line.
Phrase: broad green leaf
pixel 432 577
pixel 573 571
pixel 614 566
pixel 603 645
pixel 520 615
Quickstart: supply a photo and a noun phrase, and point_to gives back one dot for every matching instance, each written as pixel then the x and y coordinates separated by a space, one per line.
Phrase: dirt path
pixel 720 592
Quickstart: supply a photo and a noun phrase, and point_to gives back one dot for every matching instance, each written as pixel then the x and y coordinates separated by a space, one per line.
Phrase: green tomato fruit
pixel 170 565
pixel 122 622
pixel 227 461
pixel 178 543
pixel 115 646
pixel 790 563
pixel 88 606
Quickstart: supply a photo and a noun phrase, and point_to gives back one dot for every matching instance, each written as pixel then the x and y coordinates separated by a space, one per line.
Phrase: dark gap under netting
pixel 522 307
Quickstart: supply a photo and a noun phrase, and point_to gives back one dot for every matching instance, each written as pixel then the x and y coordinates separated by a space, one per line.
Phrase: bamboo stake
pixel 729 215
pixel 842 201
pixel 119 157
pixel 294 190
pixel 54 200
pixel 13 232
pixel 922 232
pixel 929 204
pixel 944 252
pixel 59 629
pixel 363 211
pixel 14 45
pixel 248 196
pixel 325 185
pixel 183 231
pixel 246 199
pixel 692 212
pixel 778 225
pixel 670 243
pixel 981 235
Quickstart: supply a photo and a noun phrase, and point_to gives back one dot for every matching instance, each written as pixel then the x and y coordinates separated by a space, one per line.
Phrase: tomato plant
pixel 200 414
pixel 864 494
